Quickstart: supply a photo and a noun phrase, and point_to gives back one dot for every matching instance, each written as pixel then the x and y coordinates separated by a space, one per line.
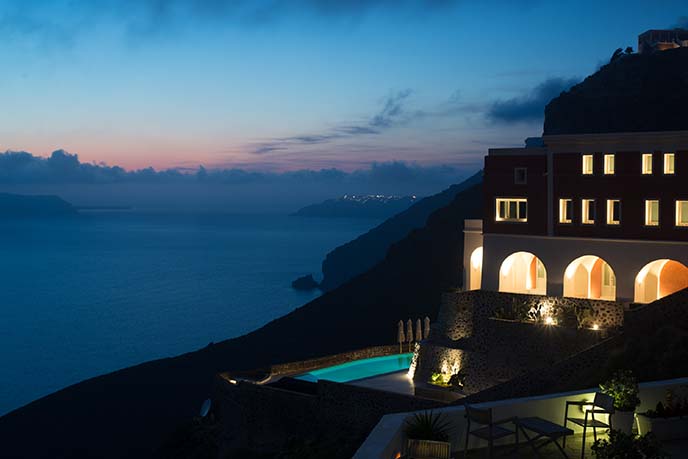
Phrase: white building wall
pixel 472 239
pixel 626 257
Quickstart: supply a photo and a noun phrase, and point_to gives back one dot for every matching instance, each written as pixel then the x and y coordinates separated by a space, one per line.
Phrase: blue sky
pixel 274 85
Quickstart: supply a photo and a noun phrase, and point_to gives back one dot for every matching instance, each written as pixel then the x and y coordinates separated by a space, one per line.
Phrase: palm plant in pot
pixel 427 435
pixel 623 388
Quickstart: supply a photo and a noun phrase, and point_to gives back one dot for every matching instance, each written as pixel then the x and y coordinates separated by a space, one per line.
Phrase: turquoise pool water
pixel 360 369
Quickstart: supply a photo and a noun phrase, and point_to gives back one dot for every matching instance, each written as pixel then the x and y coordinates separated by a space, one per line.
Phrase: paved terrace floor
pixel 677 450
pixel 398 382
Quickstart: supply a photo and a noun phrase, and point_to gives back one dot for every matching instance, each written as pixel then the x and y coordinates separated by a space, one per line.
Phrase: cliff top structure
pixel 655 40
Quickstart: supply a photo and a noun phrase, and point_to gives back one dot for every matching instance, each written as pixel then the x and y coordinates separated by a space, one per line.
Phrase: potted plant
pixel 427 436
pixel 668 421
pixel 628 446
pixel 623 388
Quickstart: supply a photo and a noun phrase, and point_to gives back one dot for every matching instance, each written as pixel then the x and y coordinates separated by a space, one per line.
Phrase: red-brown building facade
pixel 601 216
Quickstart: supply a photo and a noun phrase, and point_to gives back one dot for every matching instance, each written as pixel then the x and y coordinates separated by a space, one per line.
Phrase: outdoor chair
pixel 490 431
pixel 602 404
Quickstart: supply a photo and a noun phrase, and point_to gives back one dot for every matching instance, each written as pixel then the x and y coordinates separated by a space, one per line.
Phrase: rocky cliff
pixel 634 93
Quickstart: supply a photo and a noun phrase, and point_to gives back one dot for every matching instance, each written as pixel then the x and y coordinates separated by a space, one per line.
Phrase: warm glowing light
pixel 477 258
pixel 647 163
pixel 506 266
pixel 587 164
pixel 642 274
pixel 609 164
pixel 570 271
pixel 595 327
pixel 549 320
pixel 414 361
pixel 669 162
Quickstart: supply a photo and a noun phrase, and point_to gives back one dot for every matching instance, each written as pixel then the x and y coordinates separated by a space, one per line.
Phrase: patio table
pixel 544 429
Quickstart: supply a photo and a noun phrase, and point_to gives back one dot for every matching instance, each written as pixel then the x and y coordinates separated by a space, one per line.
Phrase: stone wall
pixel 466 336
pixel 568 358
pixel 653 316
pixel 577 371
pixel 264 418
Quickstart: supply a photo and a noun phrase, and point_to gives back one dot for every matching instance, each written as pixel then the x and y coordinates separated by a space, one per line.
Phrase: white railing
pixel 386 440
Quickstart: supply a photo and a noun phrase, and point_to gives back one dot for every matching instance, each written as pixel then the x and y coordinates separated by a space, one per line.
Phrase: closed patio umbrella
pixel 426 329
pixel 419 331
pixel 400 334
pixel 409 333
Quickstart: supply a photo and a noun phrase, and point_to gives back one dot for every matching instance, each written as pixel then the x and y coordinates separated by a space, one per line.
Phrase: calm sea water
pixel 81 297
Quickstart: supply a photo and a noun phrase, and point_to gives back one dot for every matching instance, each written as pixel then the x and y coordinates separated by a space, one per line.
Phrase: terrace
pixel 387 440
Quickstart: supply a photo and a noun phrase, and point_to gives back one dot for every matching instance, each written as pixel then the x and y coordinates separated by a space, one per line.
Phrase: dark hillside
pixel 637 92
pixel 130 413
pixel 15 205
pixel 357 256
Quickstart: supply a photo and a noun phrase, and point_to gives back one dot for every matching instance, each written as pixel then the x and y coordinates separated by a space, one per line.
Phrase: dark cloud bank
pixel 230 190
pixel 531 105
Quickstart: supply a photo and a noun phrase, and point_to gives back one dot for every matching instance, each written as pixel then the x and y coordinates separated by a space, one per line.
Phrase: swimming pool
pixel 360 369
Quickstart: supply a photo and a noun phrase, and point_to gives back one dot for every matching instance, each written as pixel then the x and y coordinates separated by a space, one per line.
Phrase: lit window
pixel 588 211
pixel 587 164
pixel 613 212
pixel 608 277
pixel 681 213
pixel 608 164
pixel 647 163
pixel 669 163
pixel 512 210
pixel 565 210
pixel 520 176
pixel 651 213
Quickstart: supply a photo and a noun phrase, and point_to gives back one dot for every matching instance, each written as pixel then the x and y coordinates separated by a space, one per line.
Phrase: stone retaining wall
pixel 264 418
pixel 466 336
pixel 653 316
pixel 579 370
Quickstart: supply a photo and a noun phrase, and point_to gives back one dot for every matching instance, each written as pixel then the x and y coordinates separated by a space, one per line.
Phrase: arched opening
pixel 659 279
pixel 475 272
pixel 591 277
pixel 523 272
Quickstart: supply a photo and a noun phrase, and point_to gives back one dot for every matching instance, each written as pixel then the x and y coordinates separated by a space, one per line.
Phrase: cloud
pixel 530 106
pixel 394 112
pixel 65 168
pixel 59 22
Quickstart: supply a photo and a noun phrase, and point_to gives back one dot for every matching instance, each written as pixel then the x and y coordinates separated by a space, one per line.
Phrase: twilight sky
pixel 276 85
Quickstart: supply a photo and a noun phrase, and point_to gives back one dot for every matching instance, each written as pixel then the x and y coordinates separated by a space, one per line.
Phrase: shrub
pixel 625 446
pixel 673 407
pixel 623 387
pixel 428 426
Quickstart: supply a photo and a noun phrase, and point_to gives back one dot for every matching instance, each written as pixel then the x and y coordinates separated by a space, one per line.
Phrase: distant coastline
pixel 16 205
pixel 358 206
pixel 101 208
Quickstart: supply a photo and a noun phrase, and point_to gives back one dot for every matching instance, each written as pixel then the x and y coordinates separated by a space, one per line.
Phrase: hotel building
pixel 598 216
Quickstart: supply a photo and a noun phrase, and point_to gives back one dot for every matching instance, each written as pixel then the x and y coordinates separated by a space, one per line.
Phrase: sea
pixel 88 295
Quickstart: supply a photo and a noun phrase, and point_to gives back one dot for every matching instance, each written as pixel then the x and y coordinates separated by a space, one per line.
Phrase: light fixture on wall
pixel 595 326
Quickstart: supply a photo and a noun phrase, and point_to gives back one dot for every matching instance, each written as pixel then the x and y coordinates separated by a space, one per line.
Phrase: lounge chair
pixel 490 431
pixel 602 404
